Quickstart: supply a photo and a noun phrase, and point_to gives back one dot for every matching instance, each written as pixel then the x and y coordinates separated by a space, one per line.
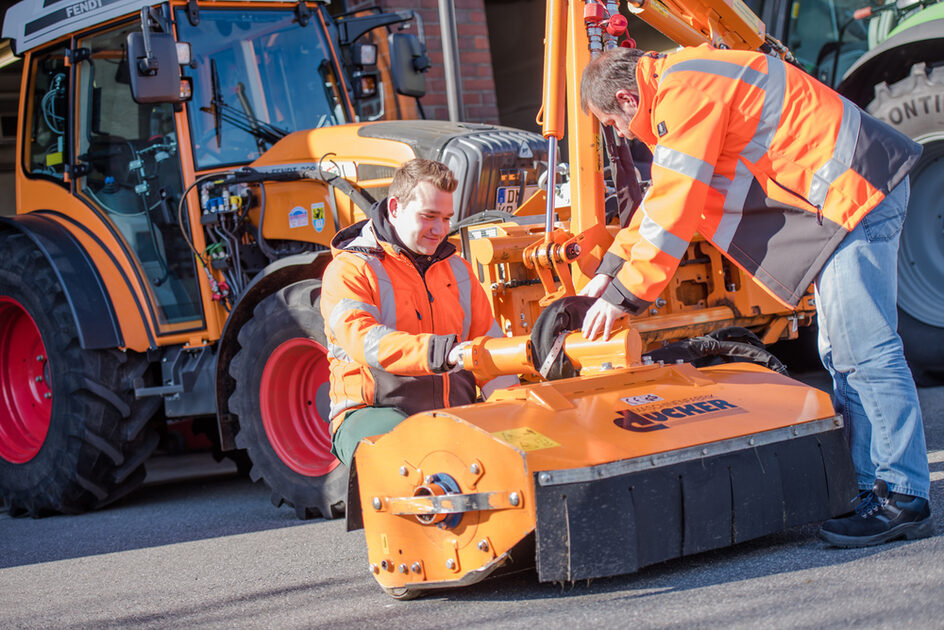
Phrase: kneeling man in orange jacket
pixel 397 303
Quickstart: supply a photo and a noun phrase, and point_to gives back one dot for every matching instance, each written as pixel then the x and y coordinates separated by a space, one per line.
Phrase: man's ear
pixel 393 205
pixel 625 96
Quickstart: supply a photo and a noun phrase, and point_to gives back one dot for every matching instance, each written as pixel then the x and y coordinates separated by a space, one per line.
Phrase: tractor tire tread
pixel 99 435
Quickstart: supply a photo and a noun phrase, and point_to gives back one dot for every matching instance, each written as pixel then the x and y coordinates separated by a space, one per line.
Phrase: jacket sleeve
pixel 691 130
pixel 354 324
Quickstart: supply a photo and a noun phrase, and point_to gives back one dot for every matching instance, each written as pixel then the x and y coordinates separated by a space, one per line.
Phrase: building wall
pixel 475 58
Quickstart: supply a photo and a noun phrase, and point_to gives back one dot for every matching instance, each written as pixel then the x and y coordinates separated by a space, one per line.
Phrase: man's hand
pixel 455 352
pixel 596 286
pixel 601 316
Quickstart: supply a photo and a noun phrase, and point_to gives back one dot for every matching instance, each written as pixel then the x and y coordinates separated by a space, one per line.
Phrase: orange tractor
pixel 611 455
pixel 182 168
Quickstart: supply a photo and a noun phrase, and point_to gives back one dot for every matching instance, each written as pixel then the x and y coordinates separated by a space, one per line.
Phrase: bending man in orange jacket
pixel 397 304
pixel 794 184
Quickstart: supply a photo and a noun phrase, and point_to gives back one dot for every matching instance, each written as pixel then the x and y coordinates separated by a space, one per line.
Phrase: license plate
pixel 507 198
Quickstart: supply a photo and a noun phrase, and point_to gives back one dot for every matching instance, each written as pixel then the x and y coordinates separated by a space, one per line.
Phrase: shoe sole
pixel 908 531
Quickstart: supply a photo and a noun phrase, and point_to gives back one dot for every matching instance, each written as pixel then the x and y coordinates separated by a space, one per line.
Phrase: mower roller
pixel 629 464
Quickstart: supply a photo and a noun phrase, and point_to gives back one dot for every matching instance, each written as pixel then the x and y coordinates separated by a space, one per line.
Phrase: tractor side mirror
pixel 408 63
pixel 154 69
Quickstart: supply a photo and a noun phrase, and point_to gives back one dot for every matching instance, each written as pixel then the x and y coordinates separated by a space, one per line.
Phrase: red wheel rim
pixel 294 378
pixel 25 389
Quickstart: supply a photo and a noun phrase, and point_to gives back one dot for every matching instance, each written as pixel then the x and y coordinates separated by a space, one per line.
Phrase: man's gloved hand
pixel 596 286
pixel 601 316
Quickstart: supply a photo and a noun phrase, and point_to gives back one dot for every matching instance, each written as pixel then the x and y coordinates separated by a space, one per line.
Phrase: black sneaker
pixel 880 517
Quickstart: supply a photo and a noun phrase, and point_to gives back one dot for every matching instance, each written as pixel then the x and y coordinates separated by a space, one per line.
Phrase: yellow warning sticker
pixel 526 439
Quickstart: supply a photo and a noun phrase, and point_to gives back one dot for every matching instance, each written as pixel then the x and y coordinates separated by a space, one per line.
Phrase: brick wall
pixel 475 58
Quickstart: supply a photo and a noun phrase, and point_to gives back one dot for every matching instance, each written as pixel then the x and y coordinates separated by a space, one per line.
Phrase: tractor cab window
pixel 825 38
pixel 132 175
pixel 259 75
pixel 48 103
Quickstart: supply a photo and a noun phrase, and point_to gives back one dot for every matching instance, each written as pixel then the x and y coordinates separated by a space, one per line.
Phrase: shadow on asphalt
pixel 154 515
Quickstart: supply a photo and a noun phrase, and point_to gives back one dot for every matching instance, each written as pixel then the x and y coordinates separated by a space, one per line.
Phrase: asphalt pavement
pixel 198 547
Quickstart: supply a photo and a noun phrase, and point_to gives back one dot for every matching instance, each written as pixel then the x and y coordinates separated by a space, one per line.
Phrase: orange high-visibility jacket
pixel 389 328
pixel 764 161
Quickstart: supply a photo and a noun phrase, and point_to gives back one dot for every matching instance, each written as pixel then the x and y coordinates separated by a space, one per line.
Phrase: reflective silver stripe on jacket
pixel 843 152
pixel 662 238
pixel 372 339
pixel 388 301
pixel 346 305
pixel 343 405
pixel 775 89
pixel 683 163
pixel 337 352
pixel 735 196
pixel 721 68
pixel 464 286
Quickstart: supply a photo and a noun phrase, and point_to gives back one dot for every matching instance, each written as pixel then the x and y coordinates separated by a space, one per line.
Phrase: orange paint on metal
pixel 572 424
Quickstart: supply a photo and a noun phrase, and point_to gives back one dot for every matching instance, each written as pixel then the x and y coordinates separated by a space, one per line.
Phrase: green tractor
pixel 889 60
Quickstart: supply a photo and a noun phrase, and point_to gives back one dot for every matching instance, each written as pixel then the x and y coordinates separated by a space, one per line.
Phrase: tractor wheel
pixel 915 106
pixel 72 436
pixel 281 402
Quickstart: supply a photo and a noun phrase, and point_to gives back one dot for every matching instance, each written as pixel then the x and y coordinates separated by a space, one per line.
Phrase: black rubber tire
pixel 915 106
pixel 292 312
pixel 99 436
pixel 404 594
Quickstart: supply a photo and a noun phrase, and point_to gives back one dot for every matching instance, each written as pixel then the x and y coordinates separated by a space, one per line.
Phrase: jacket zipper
pixel 819 209
pixel 432 322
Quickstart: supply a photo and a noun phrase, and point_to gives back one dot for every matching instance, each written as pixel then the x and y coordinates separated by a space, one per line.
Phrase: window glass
pixel 48 102
pixel 133 176
pixel 259 75
pixel 814 28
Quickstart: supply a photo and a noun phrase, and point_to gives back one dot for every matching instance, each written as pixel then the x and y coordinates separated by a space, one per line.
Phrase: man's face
pixel 628 104
pixel 423 223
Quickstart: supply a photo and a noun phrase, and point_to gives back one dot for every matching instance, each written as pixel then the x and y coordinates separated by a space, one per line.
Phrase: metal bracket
pixel 302 13
pixel 77 55
pixel 193 12
pixel 452 503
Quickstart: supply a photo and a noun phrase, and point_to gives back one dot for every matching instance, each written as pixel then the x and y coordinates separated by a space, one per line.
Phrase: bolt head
pixel 704 451
pixel 402 568
pixel 40 357
pixel 415 567
pixel 544 477
pixel 47 395
pixel 428 479
pixel 450 564
pixel 377 503
pixel 403 471
pixel 514 499
pixel 475 469
pixel 374 568
pixel 39 379
pixel 483 545
pixel 751 442
pixel 386 565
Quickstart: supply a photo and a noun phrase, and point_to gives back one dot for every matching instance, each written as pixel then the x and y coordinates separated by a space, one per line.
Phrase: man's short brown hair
pixel 607 74
pixel 418 170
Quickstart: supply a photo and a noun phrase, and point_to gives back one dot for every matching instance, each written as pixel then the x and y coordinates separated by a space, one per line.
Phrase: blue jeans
pixel 859 344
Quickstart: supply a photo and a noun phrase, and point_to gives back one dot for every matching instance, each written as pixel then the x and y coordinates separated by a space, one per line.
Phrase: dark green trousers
pixel 362 423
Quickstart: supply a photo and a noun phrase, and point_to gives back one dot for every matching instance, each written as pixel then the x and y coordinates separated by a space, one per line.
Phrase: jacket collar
pixel 376 237
pixel 648 70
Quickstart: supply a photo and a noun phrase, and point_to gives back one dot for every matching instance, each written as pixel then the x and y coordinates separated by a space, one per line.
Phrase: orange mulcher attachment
pixel 628 464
